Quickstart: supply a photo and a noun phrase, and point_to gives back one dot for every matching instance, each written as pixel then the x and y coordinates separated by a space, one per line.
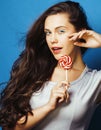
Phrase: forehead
pixel 60 19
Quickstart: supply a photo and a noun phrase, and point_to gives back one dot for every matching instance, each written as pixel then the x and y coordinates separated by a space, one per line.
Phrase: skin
pixel 57 32
pixel 93 39
pixel 60 33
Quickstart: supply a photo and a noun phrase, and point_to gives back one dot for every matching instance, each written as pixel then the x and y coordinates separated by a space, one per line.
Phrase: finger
pixel 73 37
pixel 80 44
pixel 60 97
pixel 65 84
pixel 67 97
pixel 85 33
pixel 82 34
pixel 78 35
pixel 61 100
pixel 61 90
pixel 61 93
pixel 61 84
pixel 64 96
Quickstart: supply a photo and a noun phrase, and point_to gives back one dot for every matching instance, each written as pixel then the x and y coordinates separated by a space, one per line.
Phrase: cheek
pixel 67 44
pixel 64 38
pixel 48 40
pixel 66 34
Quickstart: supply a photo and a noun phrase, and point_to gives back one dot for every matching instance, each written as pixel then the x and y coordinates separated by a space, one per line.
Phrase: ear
pixel 21 120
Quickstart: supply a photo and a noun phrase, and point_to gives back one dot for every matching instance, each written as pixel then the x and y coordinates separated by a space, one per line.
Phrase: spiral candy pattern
pixel 65 62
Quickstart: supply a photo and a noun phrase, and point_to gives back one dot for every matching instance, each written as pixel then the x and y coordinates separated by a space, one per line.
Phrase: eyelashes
pixel 58 32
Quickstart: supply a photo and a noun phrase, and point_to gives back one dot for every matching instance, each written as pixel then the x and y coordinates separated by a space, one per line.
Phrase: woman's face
pixel 57 28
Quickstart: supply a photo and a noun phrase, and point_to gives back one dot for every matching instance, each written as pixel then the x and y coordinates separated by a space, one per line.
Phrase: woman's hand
pixel 91 39
pixel 59 94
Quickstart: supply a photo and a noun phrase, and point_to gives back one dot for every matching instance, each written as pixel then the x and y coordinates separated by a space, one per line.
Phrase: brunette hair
pixel 35 65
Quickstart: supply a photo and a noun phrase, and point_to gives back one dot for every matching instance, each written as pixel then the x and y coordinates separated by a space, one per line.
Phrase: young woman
pixel 38 96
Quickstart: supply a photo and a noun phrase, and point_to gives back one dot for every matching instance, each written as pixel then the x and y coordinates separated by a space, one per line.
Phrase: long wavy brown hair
pixel 35 65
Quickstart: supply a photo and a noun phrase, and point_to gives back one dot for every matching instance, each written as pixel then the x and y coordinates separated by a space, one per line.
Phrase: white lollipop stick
pixel 66 75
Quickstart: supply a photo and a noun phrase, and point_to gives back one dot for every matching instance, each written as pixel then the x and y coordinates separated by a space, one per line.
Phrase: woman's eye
pixel 61 31
pixel 47 33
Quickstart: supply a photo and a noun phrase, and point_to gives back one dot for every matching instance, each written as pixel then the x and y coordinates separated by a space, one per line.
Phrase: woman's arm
pixel 58 95
pixel 92 39
pixel 38 115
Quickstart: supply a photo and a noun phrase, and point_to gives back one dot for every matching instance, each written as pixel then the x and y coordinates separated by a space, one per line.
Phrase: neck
pixel 78 62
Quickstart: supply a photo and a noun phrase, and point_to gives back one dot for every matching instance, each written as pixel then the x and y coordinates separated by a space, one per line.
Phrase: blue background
pixel 17 16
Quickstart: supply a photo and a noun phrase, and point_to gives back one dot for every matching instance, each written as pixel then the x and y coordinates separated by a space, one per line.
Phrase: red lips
pixel 56 50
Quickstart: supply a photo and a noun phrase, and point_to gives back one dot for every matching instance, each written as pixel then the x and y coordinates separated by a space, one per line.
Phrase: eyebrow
pixel 55 28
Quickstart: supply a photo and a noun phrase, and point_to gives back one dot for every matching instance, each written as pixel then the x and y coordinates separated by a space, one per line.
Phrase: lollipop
pixel 65 62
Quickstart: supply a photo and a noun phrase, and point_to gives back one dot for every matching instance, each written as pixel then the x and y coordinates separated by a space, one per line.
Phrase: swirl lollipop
pixel 65 62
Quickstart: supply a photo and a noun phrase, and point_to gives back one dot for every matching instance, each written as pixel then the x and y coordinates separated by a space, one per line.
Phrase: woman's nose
pixel 54 38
